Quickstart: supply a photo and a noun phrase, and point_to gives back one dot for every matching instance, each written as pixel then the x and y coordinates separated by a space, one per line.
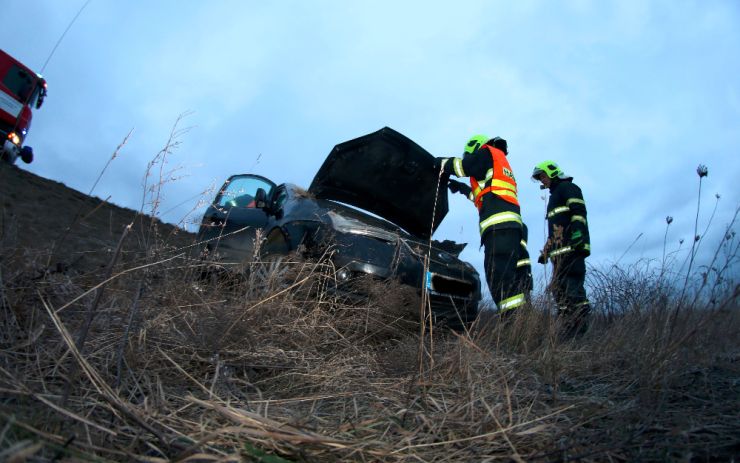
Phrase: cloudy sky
pixel 628 96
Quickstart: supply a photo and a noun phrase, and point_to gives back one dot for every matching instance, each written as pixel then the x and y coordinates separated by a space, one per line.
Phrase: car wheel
pixel 276 243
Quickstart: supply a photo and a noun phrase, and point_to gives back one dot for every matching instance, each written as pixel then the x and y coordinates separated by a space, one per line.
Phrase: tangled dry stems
pixel 274 362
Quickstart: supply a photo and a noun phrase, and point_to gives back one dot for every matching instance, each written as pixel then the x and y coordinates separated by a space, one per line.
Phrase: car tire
pixel 276 243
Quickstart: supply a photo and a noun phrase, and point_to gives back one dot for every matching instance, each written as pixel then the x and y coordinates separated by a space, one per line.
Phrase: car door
pixel 231 223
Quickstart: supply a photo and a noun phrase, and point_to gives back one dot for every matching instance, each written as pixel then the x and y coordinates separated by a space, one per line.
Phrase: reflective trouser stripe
pixel 557 211
pixel 575 200
pixel 523 262
pixel 501 217
pixel 523 243
pixel 511 302
pixel 457 165
pixel 578 218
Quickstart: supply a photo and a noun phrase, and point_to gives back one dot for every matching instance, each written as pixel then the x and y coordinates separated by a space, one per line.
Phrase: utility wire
pixel 63 34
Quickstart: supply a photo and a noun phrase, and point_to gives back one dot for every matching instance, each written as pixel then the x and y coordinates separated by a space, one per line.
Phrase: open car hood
pixel 387 174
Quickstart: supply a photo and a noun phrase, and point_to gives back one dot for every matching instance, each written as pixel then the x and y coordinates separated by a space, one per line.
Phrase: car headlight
pixel 349 225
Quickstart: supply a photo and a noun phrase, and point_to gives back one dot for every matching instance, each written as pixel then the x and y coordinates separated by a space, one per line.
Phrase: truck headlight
pixel 14 138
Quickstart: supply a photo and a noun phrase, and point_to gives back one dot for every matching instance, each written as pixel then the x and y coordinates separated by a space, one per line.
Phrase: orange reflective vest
pixel 499 180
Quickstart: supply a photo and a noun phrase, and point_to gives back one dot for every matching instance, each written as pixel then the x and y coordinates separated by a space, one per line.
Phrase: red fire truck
pixel 20 90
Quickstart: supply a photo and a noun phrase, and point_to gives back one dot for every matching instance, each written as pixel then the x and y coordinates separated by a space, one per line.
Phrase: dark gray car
pixel 370 204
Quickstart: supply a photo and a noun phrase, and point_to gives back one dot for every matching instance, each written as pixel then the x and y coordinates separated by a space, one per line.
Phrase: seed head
pixel 716 195
pixel 668 219
pixel 680 241
pixel 702 170
pixel 697 238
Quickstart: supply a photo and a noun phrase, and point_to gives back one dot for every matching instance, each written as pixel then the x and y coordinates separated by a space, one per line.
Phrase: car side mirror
pixel 260 199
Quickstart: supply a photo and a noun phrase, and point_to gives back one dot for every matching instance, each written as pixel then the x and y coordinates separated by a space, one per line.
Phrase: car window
pixel 240 192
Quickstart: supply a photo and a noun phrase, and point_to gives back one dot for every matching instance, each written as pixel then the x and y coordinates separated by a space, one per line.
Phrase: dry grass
pixel 272 365
pixel 126 353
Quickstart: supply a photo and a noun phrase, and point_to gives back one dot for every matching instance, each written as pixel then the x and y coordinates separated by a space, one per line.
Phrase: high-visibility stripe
pixel 510 194
pixel 523 262
pixel 523 243
pixel 567 249
pixel 471 197
pixel 503 184
pixel 501 217
pixel 457 165
pixel 444 162
pixel 582 303
pixel 575 200
pixel 511 302
pixel 503 194
pixel 578 218
pixel 560 251
pixel 557 211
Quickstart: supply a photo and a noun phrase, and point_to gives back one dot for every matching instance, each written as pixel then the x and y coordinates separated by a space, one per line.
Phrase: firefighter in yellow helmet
pixel 493 189
pixel 568 244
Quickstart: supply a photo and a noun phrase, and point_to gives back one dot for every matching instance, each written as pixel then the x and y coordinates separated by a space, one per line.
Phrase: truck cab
pixel 20 90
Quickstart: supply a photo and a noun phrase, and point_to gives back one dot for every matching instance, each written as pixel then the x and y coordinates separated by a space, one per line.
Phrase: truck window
pixel 21 84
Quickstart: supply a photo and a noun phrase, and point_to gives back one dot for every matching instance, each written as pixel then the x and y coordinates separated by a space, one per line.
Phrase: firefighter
pixel 567 246
pixel 493 190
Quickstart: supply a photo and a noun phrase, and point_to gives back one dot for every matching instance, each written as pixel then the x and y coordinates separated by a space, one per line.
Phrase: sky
pixel 628 96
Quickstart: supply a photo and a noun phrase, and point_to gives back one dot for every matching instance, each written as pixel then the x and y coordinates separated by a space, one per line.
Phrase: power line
pixel 63 34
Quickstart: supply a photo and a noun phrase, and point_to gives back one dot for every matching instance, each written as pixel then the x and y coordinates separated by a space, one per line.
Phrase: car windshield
pixel 241 191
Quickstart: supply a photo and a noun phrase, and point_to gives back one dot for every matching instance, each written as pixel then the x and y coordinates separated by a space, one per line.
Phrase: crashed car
pixel 370 205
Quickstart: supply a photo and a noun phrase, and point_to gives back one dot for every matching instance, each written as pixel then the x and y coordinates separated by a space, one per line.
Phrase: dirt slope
pixel 55 226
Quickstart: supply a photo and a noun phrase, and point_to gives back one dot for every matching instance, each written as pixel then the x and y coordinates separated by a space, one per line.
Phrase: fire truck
pixel 20 90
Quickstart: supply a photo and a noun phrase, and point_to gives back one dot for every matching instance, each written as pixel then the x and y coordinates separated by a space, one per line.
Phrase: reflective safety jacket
pixel 566 220
pixel 493 185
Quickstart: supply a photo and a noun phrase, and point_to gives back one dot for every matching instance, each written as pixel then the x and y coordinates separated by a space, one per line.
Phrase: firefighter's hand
pixel 542 259
pixel 455 187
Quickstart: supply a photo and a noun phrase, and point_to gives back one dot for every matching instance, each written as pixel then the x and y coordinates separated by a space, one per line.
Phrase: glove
pixel 455 187
pixel 501 144
pixel 576 240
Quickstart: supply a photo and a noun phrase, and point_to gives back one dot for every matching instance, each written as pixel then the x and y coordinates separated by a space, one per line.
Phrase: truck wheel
pixel 27 154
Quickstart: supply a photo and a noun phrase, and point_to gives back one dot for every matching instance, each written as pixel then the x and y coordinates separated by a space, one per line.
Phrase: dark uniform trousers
pixel 570 294
pixel 500 258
